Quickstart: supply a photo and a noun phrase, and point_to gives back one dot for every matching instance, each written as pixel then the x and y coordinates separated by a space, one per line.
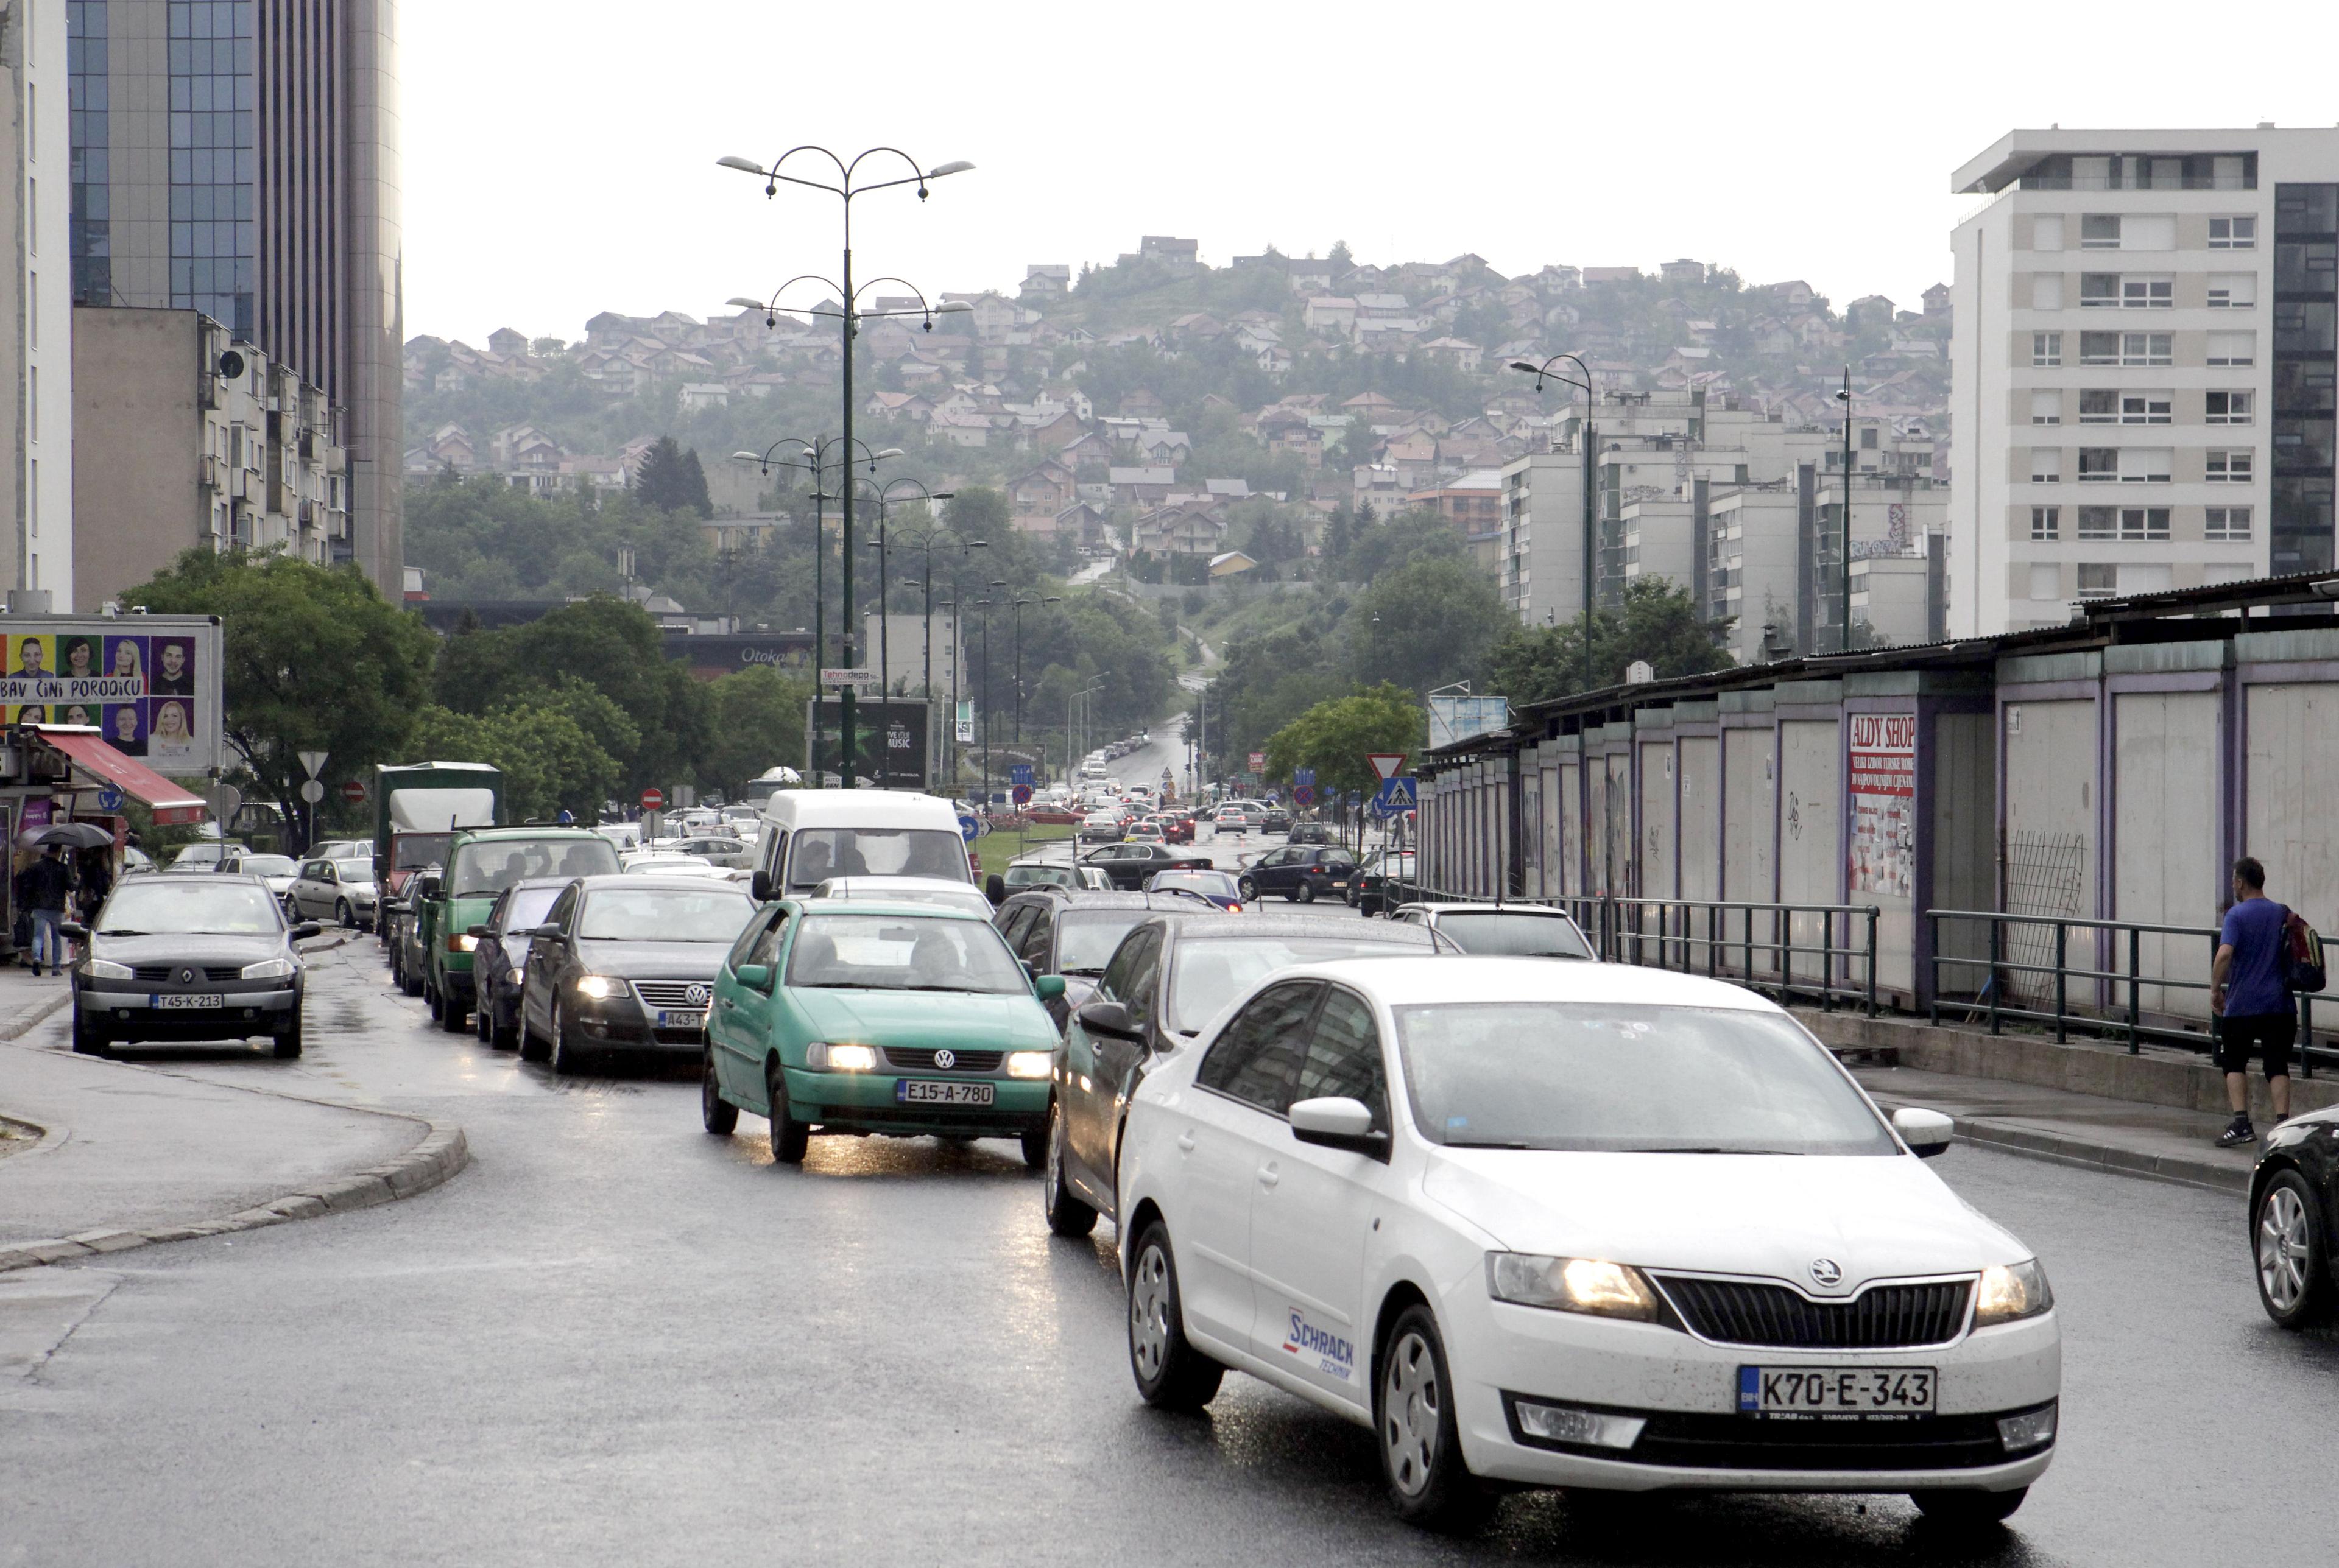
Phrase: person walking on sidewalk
pixel 2252 1003
pixel 45 886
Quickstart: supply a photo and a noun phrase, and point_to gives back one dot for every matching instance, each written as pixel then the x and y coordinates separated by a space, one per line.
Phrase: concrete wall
pixel 1810 822
pixel 2165 753
pixel 136 423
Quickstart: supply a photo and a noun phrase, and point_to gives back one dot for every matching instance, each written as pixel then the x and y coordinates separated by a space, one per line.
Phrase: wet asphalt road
pixel 617 1340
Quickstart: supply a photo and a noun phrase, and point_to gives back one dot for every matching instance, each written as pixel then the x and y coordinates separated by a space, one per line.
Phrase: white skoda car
pixel 1578 1225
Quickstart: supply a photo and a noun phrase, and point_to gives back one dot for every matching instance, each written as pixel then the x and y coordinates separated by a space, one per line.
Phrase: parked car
pixel 724 850
pixel 1128 865
pixel 342 891
pixel 1302 875
pixel 1368 888
pixel 499 956
pixel 1167 980
pixel 1219 887
pixel 2294 1193
pixel 280 872
pixel 1515 930
pixel 1484 1215
pixel 340 849
pixel 1277 820
pixel 1030 873
pixel 1073 935
pixel 627 963
pixel 188 958
pixel 901 1021
pixel 444 907
pixel 1310 833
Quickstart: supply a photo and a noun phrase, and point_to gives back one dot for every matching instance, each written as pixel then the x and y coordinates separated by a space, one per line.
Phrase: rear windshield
pixel 268 865
pixel 1212 971
pixel 416 850
pixel 665 914
pixel 822 852
pixel 1514 935
pixel 1085 938
pixel 354 870
pixel 484 869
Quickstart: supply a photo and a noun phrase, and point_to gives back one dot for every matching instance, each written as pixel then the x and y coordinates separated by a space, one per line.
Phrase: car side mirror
pixel 536 931
pixel 1337 1121
pixel 1108 1017
pixel 73 929
pixel 427 886
pixel 307 929
pixel 994 888
pixel 760 885
pixel 1926 1132
pixel 1050 987
pixel 480 934
pixel 755 976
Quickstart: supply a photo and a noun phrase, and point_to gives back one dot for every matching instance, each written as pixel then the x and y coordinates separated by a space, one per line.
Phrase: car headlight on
pixel 2012 1291
pixel 1571 1284
pixel 462 942
pixel 270 969
pixel 600 987
pixel 821 1057
pixel 1030 1063
pixel 106 969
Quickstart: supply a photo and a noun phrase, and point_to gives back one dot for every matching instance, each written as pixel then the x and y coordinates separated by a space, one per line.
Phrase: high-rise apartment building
pixel 2142 388
pixel 37 322
pixel 239 158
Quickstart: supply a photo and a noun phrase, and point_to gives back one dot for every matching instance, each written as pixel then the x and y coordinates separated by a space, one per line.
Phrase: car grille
pixel 1882 1318
pixel 1742 1443
pixel 170 971
pixel 674 994
pixel 924 1060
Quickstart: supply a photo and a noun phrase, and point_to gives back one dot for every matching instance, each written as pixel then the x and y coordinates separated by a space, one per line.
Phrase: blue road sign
pixel 1395 794
pixel 1019 773
pixel 109 799
pixel 1303 794
pixel 969 824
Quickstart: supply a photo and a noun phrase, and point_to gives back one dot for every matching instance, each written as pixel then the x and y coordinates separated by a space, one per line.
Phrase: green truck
pixel 443 905
pixel 418 809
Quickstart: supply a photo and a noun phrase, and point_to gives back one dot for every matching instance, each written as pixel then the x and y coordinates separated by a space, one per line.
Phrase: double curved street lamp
pixel 924 539
pixel 847 184
pixel 886 499
pixel 1586 450
pixel 1020 602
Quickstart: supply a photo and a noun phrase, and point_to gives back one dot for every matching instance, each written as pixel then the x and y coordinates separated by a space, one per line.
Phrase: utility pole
pixel 1845 398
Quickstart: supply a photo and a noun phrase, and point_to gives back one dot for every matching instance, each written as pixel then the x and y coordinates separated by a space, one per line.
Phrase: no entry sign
pixel 653 798
pixel 354 791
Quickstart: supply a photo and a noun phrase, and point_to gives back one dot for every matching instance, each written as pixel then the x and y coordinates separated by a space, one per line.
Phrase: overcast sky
pixel 559 158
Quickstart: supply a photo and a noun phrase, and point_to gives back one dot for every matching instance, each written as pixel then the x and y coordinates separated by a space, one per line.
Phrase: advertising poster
pixel 1884 801
pixel 898 729
pixel 149 684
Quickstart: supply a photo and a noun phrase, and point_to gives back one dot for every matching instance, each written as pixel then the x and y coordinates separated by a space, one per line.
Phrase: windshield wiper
pixel 955 990
pixel 115 931
pixel 1451 1143
pixel 1096 970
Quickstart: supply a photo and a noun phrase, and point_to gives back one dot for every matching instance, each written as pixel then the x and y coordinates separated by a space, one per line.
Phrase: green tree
pixel 315 660
pixel 670 480
pixel 980 512
pixel 1335 737
pixel 1658 622
pixel 549 761
pixel 1424 625
pixel 759 720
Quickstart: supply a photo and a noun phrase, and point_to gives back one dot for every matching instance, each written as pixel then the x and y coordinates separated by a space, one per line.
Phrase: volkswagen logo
pixel 1826 1273
pixel 945 1059
pixel 697 996
pixel 186 977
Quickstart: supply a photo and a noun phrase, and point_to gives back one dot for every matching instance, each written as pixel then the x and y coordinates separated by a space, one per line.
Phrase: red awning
pixel 171 803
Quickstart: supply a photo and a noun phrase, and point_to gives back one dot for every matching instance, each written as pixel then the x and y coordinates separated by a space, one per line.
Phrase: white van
pixel 812 834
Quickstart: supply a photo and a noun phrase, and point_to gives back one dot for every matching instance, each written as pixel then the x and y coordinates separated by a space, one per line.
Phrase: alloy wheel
pixel 1149 1313
pixel 2284 1248
pixel 1410 1406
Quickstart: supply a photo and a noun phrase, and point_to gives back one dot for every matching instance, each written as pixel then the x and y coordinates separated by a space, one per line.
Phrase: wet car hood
pixel 1877 1217
pixel 164 947
pixel 968 1021
pixel 652 960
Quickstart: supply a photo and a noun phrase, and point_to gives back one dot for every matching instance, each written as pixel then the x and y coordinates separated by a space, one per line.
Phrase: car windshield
pixel 1614 1078
pixel 484 868
pixel 268 865
pixel 902 952
pixel 1085 938
pixel 353 870
pixel 664 914
pixel 198 855
pixel 528 906
pixel 414 851
pixel 822 852
pixel 1210 973
pixel 1516 934
pixel 966 899
pixel 176 906
pixel 1208 883
pixel 1041 876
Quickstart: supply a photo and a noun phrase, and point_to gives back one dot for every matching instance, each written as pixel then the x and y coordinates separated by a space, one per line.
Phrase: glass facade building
pixel 2305 373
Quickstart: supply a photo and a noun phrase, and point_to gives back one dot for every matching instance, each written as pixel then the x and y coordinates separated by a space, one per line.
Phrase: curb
pixel 1984 1132
pixel 18 1027
pixel 440 1154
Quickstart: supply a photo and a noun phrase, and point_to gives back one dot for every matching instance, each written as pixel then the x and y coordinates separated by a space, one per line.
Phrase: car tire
pixel 453 1016
pixel 1170 1374
pixel 2288 1246
pixel 483 1021
pixel 344 916
pixel 1067 1215
pixel 790 1138
pixel 431 999
pixel 87 1039
pixel 717 1114
pixel 1305 893
pixel 565 1056
pixel 1419 1438
pixel 532 1045
pixel 1247 888
pixel 1968 1510
pixel 408 980
pixel 288 1043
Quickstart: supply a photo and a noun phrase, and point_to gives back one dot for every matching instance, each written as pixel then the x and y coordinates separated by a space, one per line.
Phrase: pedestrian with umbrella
pixel 44 887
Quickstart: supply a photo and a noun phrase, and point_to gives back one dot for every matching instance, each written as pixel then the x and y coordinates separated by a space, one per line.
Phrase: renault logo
pixel 945 1059
pixel 186 977
pixel 1826 1273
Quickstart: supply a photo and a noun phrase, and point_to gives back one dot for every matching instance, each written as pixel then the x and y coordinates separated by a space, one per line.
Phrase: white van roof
pixel 796 808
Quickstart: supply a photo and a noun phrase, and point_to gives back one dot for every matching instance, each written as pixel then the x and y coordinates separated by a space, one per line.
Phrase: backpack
pixel 2302 954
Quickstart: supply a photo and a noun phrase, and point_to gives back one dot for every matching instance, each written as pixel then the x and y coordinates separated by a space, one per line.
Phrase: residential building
pixel 191 439
pixel 2143 364
pixel 36 313
pixel 240 159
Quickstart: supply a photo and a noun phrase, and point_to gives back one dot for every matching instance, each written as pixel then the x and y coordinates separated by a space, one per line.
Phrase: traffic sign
pixel 653 798
pixel 1395 794
pixel 854 675
pixel 970 825
pixel 1021 792
pixel 109 799
pixel 311 791
pixel 1018 773
pixel 354 791
pixel 1259 761
pixel 313 760
pixel 1303 794
pixel 1385 764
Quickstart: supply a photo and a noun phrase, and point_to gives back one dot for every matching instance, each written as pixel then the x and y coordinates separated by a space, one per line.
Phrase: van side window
pixel 775 851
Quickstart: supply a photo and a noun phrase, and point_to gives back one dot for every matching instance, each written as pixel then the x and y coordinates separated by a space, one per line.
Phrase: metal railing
pixel 2031 959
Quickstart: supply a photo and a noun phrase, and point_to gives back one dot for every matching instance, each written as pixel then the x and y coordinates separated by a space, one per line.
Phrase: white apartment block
pixel 37 324
pixel 2143 369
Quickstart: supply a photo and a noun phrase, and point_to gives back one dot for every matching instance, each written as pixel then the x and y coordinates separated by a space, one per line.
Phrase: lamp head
pixel 943 496
pixel 744 166
pixel 747 457
pixel 959 167
pixel 1523 365
pixel 744 302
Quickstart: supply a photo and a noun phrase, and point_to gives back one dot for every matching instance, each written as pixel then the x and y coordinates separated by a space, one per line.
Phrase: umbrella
pixel 75 835
pixel 786 774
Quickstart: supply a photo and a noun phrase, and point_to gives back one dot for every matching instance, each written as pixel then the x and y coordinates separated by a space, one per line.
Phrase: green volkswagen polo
pixel 904 1020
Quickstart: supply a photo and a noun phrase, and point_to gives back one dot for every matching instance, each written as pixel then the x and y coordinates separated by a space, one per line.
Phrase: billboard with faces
pixel 150 683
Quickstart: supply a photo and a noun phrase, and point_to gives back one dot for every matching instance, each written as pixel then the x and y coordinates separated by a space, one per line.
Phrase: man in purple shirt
pixel 2252 1002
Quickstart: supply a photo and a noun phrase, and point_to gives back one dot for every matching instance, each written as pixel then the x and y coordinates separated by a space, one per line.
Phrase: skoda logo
pixel 1826 1273
pixel 186 977
pixel 696 995
pixel 945 1059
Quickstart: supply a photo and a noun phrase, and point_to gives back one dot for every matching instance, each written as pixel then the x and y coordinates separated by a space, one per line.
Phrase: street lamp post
pixel 1844 397
pixel 984 605
pixel 1020 602
pixel 848 313
pixel 923 539
pixel 1585 449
